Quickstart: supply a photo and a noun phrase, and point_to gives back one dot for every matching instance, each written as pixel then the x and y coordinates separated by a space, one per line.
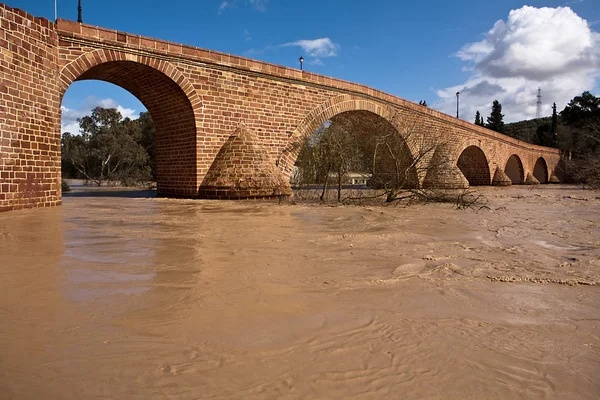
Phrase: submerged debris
pixel 533 279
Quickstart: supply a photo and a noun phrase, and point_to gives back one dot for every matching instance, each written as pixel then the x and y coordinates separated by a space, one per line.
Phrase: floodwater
pixel 145 298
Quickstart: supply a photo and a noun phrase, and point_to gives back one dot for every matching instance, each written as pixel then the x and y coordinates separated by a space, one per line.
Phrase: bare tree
pixel 344 153
pixel 407 163
pixel 403 162
pixel 393 167
pixel 331 150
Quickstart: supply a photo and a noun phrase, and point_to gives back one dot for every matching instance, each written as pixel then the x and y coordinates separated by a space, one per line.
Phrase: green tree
pixel 544 136
pixel 580 108
pixel 580 133
pixel 579 139
pixel 108 149
pixel 495 120
pixel 554 124
pixel 148 140
pixel 75 154
pixel 478 119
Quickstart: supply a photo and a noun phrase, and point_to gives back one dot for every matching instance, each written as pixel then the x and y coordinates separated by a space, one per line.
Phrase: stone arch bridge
pixel 227 126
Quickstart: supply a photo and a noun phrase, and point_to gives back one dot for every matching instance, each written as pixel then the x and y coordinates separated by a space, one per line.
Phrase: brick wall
pixel 29 112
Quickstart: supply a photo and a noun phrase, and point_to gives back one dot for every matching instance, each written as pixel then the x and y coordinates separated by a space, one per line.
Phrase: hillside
pixel 525 130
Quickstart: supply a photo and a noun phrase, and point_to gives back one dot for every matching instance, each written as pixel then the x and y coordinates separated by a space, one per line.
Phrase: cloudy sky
pixel 430 50
pixel 549 48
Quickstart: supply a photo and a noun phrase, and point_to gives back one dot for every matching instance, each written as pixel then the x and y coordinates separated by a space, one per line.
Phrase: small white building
pixel 352 178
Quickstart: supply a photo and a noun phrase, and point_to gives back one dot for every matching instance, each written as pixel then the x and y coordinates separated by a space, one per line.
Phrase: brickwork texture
pixel 227 126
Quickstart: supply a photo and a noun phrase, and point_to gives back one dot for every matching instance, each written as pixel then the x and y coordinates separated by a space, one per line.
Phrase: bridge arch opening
pixel 172 114
pixel 514 170
pixel 356 149
pixel 540 170
pixel 473 164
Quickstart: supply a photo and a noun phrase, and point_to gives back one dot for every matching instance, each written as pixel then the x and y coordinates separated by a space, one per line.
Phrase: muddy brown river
pixel 145 298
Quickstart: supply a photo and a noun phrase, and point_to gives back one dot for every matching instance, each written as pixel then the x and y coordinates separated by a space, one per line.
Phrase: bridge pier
pixel 242 170
pixel 29 112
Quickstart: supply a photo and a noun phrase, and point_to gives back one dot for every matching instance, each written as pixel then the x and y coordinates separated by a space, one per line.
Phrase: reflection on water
pixel 110 192
pixel 92 276
pixel 79 294
pixel 138 298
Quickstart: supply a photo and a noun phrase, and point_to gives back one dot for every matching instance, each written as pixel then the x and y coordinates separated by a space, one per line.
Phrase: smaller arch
pixel 514 169
pixel 473 164
pixel 540 170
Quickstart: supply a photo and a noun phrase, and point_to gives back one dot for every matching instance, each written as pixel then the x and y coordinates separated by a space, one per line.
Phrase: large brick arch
pixel 74 69
pixel 169 97
pixel 327 111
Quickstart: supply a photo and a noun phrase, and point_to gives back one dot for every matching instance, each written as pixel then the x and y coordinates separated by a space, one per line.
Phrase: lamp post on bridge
pixel 79 19
pixel 457 94
pixel 301 59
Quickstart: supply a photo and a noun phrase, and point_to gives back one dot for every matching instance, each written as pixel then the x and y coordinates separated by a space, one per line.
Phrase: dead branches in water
pixel 462 199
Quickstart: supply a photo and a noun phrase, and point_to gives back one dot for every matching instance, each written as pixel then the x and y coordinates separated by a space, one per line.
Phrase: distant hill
pixel 525 130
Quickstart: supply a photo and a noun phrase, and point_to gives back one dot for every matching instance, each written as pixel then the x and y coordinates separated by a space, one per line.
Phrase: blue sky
pixel 427 50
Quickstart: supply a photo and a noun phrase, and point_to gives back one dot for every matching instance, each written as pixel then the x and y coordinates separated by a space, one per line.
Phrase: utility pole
pixel 457 94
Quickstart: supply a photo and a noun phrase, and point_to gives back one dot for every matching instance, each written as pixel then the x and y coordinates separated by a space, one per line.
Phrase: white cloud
pixel 127 112
pixel 323 47
pixel 317 49
pixel 551 48
pixel 224 6
pixel 247 35
pixel 69 116
pixel 260 5
pixel 69 120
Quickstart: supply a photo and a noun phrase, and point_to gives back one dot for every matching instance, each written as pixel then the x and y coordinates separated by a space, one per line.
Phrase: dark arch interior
pixel 173 117
pixel 540 170
pixel 514 169
pixel 365 126
pixel 474 166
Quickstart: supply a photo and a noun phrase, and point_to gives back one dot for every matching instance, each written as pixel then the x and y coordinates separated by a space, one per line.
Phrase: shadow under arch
pixel 474 165
pixel 343 107
pixel 171 101
pixel 540 170
pixel 514 169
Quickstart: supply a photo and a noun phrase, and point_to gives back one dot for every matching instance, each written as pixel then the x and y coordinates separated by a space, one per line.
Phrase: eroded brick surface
pixel 29 112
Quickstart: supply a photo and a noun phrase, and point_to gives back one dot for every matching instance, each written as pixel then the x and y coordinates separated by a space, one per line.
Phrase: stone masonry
pixel 201 100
